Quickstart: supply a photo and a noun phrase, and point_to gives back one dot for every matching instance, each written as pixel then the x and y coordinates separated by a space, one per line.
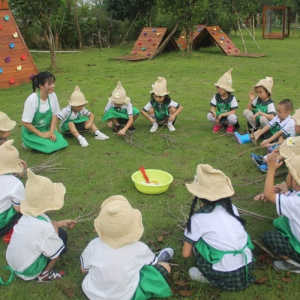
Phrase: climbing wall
pixel 16 63
pixel 182 40
pixel 148 42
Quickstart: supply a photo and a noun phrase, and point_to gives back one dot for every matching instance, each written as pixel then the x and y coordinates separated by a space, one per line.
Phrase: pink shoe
pixel 217 128
pixel 229 129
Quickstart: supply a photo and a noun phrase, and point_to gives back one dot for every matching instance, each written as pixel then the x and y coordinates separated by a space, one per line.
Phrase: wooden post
pixel 129 28
pixel 242 36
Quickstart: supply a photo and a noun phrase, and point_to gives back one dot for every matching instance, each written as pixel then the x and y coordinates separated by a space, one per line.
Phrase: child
pixel 161 109
pixel 119 111
pixel 6 125
pixel 285 240
pixel 38 130
pixel 224 105
pixel 215 233
pixel 117 264
pixel 260 109
pixel 76 118
pixel 11 188
pixel 37 242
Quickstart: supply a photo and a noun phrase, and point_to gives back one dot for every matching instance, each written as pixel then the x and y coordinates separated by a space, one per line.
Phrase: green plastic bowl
pixel 164 179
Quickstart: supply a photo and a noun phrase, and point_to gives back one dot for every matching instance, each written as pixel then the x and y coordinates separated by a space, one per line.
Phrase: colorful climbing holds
pixel 221 31
pixel 145 33
pixel 31 76
pixel 228 41
pixel 222 38
pixel 0 26
pixel 12 45
pixel 144 48
pixel 236 50
pixel 179 45
pixel 23 57
pixel 199 29
pixel 221 42
pixel 158 33
pixel 11 80
pixel 139 43
pixel 148 54
pixel 215 28
pixel 135 52
pixel 1 70
pixel 213 32
pixel 7 59
pixel 229 47
pixel 149 39
pixel 154 44
pixel 154 30
pixel 6 17
pixel 183 37
pixel 19 68
pixel 15 35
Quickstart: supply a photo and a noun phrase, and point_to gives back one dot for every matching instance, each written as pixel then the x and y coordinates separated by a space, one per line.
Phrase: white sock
pixel 97 132
pixel 292 262
pixel 80 137
pixel 170 122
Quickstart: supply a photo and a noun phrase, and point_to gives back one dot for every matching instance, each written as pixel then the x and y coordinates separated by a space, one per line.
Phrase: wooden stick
pixel 235 158
pixel 242 36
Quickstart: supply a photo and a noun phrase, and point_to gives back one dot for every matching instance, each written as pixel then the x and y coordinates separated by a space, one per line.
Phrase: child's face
pixel 159 99
pixel 117 105
pixel 77 108
pixel 262 93
pixel 223 93
pixel 282 113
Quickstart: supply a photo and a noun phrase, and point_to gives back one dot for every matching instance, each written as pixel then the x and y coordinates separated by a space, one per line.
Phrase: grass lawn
pixel 104 168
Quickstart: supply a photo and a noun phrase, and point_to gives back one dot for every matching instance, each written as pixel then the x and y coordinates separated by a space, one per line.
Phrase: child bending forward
pixel 117 264
pixel 215 234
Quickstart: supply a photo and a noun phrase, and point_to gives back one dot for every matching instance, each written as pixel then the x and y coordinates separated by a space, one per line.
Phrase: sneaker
pixel 101 136
pixel 229 129
pixel 154 127
pixel 165 255
pixel 7 236
pixel 196 275
pixel 263 167
pixel 131 128
pixel 24 147
pixel 51 275
pixel 257 159
pixel 217 128
pixel 171 127
pixel 285 266
pixel 83 142
pixel 116 129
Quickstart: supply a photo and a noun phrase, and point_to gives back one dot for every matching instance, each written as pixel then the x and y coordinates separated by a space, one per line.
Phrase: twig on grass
pixel 266 250
pixel 163 125
pixel 236 157
pixel 243 211
pixel 84 217
pixel 171 141
pixel 128 138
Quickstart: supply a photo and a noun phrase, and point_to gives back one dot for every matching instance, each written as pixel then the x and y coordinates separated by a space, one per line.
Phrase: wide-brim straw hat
pixel 77 98
pixel 6 124
pixel 41 195
pixel 225 82
pixel 118 224
pixel 296 116
pixel 293 164
pixel 159 88
pixel 210 184
pixel 290 146
pixel 119 95
pixel 267 83
pixel 9 159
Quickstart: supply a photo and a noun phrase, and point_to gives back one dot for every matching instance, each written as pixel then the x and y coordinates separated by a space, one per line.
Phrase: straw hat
pixel 289 146
pixel 9 159
pixel 267 83
pixel 159 88
pixel 118 224
pixel 77 98
pixel 119 95
pixel 225 82
pixel 6 124
pixel 41 195
pixel 293 164
pixel 296 117
pixel 210 184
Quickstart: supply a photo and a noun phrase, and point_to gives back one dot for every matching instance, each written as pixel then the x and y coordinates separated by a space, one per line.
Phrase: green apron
pixel 118 113
pixel 79 119
pixel 261 106
pixel 282 224
pixel 6 216
pixel 223 105
pixel 42 121
pixel 33 270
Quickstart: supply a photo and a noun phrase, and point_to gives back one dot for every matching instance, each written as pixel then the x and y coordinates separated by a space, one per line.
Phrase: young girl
pixel 6 125
pixel 119 111
pixel 118 266
pixel 161 109
pixel 76 118
pixel 215 233
pixel 38 129
pixel 11 188
pixel 224 105
pixel 37 242
pixel 285 240
pixel 260 110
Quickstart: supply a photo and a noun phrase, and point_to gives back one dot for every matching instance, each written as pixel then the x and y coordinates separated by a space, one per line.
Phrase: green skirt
pixel 115 113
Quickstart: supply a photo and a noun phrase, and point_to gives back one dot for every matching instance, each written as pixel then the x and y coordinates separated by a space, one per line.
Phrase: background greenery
pixel 104 168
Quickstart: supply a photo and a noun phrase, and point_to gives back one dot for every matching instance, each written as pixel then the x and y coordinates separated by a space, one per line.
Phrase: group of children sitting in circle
pixel 117 265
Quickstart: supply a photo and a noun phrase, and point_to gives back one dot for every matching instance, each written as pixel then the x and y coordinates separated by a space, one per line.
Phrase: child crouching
pixel 117 264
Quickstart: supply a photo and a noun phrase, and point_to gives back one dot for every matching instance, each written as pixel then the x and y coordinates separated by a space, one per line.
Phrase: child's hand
pixel 45 135
pixel 260 197
pixel 122 131
pixel 281 188
pixel 52 137
pixel 151 120
pixel 273 162
pixel 171 118
pixel 213 113
pixel 110 123
pixel 88 125
pixel 66 223
pixel 265 143
pixel 251 96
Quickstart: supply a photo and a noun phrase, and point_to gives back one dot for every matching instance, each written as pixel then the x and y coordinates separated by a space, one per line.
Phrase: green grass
pixel 104 168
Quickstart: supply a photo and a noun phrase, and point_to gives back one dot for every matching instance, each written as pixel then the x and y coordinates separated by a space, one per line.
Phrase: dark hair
pixel 209 206
pixel 287 103
pixel 41 79
pixel 167 99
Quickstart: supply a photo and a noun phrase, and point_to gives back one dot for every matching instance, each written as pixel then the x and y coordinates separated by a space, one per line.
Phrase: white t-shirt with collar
pixel 113 273
pixel 287 126
pixel 31 238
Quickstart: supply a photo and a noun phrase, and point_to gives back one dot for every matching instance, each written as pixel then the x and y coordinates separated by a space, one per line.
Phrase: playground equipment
pixel 182 40
pixel 276 22
pixel 16 63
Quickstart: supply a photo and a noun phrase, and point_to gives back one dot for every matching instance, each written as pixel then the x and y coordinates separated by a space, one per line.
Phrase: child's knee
pixel 166 266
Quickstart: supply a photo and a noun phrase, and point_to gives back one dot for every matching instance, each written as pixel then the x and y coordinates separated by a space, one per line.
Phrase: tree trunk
pixel 165 42
pixel 77 24
pixel 109 29
pixel 50 41
pixel 100 38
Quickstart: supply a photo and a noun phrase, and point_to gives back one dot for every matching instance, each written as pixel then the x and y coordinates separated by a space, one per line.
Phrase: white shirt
pixel 288 205
pixel 31 106
pixel 12 192
pixel 171 104
pixel 233 103
pixel 127 106
pixel 287 126
pixel 31 238
pixel 113 274
pixel 221 231
pixel 271 106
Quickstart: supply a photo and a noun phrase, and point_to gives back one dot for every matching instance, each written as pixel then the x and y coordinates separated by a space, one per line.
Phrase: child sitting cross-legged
pixel 117 264
pixel 76 119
